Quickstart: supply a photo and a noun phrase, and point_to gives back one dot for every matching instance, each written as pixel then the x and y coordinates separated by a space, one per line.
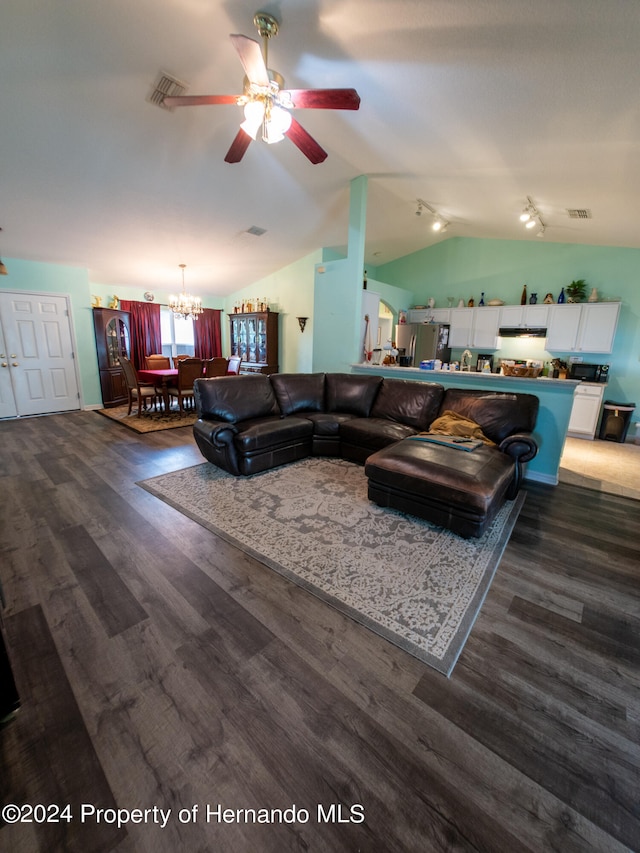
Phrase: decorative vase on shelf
pixel 533 299
pixel 523 298
pixel 562 298
pixel 461 303
pixel 593 296
pixel 481 298
pixel 471 303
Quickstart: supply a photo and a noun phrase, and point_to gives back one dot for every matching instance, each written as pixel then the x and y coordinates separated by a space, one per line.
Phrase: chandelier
pixel 185 305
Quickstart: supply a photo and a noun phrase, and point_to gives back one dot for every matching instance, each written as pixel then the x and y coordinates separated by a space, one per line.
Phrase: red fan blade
pixel 251 58
pixel 198 100
pixel 305 142
pixel 324 99
pixel 238 147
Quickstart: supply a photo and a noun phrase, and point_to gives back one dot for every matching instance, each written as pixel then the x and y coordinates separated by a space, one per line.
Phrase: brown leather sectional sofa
pixel 248 424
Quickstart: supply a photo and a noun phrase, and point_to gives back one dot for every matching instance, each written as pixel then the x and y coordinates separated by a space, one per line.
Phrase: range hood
pixel 522 332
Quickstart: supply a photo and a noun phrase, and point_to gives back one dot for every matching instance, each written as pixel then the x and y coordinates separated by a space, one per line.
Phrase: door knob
pixel 4 364
pixel 14 355
pixel 15 364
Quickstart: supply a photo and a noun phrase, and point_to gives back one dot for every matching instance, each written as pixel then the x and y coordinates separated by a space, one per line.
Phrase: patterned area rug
pixel 149 421
pixel 415 584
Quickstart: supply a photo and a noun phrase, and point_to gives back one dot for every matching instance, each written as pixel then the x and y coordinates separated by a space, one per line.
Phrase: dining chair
pixel 234 364
pixel 137 391
pixel 157 361
pixel 178 358
pixel 189 369
pixel 215 367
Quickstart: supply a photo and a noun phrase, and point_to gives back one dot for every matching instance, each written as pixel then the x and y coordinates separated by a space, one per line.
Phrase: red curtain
pixel 146 337
pixel 206 334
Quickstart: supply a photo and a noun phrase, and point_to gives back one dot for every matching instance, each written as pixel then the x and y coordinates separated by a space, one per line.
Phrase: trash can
pixel 616 418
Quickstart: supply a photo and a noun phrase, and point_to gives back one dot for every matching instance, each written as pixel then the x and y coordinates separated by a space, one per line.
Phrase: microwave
pixel 589 372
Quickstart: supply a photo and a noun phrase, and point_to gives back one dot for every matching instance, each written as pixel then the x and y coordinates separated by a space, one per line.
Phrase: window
pixel 177 334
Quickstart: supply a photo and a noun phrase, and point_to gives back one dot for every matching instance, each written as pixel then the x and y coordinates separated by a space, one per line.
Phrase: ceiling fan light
pixel 531 223
pixel 253 117
pixel 277 125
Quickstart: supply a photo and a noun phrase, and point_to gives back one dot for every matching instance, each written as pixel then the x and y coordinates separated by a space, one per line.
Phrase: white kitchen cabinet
pixel 461 327
pixel 475 327
pixel 586 327
pixel 563 326
pixel 514 316
pixel 486 322
pixel 587 404
pixel 598 326
pixel 428 315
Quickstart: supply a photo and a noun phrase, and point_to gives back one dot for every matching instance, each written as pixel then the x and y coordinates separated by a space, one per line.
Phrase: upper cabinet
pixel 586 327
pixel 524 315
pixel 429 315
pixel 475 327
pixel 571 327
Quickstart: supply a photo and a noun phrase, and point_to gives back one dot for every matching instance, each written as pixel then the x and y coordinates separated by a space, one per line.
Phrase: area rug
pixel 415 584
pixel 149 421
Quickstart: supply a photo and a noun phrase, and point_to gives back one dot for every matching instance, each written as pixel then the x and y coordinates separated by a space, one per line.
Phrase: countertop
pixel 469 375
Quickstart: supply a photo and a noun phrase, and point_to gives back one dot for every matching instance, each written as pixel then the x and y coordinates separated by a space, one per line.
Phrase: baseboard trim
pixel 537 477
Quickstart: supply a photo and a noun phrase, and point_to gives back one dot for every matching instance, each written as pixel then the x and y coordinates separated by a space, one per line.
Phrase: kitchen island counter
pixel 555 396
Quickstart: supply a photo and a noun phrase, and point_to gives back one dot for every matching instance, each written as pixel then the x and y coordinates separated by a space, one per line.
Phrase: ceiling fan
pixel 267 104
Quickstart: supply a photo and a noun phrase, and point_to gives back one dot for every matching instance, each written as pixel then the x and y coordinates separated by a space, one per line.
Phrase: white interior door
pixel 7 400
pixel 39 352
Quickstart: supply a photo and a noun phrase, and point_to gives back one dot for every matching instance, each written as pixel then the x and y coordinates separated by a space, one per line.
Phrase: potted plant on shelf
pixel 577 290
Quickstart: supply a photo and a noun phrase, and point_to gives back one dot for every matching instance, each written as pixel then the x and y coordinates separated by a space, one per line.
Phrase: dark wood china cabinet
pixel 113 340
pixel 254 337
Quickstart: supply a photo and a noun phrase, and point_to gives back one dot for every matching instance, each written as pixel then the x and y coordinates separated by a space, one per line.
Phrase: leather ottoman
pixel 457 489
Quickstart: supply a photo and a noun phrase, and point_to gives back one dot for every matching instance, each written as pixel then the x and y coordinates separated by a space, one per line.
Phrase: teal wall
pixel 338 293
pixel 463 267
pixel 458 267
pixel 289 292
pixel 74 283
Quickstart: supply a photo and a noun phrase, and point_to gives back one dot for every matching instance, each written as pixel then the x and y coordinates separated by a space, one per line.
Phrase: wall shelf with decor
pixel 254 337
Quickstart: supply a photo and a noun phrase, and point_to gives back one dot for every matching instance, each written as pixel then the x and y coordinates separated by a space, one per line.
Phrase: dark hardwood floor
pixel 161 669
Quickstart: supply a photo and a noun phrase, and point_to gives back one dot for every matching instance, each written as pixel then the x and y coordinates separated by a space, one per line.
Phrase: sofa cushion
pixel 499 414
pixel 412 403
pixel 260 434
pixel 298 392
pixel 351 394
pixel 371 434
pixel 327 423
pixel 235 398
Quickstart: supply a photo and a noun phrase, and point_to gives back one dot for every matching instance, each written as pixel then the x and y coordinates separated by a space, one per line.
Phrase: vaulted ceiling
pixel 471 106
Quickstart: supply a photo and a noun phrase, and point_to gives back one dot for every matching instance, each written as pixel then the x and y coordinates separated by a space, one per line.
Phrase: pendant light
pixel 185 305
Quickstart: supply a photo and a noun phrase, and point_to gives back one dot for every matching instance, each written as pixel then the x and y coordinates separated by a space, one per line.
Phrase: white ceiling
pixel 470 105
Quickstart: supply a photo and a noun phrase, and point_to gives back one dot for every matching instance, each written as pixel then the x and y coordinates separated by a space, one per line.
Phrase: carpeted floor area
pixel 417 585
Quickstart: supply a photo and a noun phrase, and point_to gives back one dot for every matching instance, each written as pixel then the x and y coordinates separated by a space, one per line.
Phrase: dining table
pixel 161 379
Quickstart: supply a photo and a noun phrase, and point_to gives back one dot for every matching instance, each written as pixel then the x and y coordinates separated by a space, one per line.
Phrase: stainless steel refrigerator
pixel 423 341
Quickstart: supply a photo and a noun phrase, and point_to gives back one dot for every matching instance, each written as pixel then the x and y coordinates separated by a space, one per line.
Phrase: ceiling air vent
pixel 579 213
pixel 165 85
pixel 256 231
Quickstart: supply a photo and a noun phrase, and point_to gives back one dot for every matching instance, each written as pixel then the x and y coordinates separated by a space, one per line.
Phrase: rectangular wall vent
pixel 165 85
pixel 579 213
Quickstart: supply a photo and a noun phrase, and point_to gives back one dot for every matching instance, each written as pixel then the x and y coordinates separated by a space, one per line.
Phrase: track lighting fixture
pixel 530 218
pixel 439 224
